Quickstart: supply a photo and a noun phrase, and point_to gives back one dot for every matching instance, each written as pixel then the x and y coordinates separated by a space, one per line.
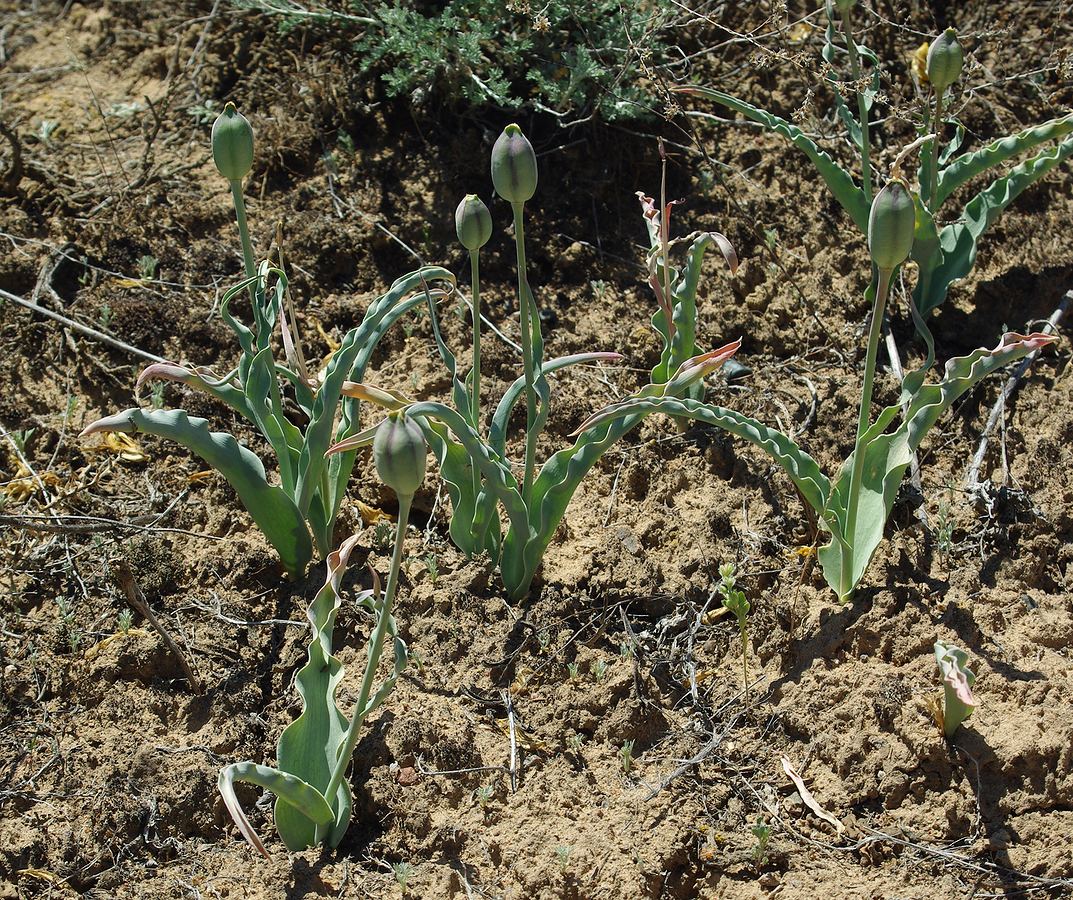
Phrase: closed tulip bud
pixel 232 144
pixel 891 225
pixel 473 222
pixel 399 452
pixel 945 60
pixel 514 166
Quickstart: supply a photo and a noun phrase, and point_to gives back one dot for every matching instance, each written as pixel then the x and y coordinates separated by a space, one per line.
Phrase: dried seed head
pixel 232 144
pixel 945 60
pixel 473 222
pixel 399 452
pixel 891 224
pixel 514 166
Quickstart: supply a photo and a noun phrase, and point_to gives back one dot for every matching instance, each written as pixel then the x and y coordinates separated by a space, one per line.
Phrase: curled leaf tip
pixel 162 372
pixel 119 422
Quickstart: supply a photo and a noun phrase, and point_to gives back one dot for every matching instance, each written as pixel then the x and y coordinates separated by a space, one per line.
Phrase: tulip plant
pixel 958 679
pixel 854 509
pixel 943 253
pixel 473 453
pixel 313 801
pixel 298 514
pixel 675 318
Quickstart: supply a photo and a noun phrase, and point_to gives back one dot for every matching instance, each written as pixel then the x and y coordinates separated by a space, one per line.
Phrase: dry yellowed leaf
pixel 808 799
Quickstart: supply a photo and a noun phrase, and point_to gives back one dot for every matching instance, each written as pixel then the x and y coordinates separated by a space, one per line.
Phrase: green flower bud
pixel 473 222
pixel 399 452
pixel 514 166
pixel 891 225
pixel 945 59
pixel 232 144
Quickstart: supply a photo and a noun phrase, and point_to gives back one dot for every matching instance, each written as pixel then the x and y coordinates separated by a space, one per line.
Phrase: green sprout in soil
pixel 484 795
pixel 735 601
pixel 313 800
pixel 403 872
pixel 762 832
pixel 599 671
pixel 431 565
pixel 625 756
pixel 147 267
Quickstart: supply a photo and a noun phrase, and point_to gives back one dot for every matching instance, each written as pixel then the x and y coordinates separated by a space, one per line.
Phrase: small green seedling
pixel 958 679
pixel 625 756
pixel 562 856
pixel 474 465
pixel 403 872
pixel 147 267
pixel 298 513
pixel 855 508
pixel 599 670
pixel 382 534
pixel 736 602
pixel 313 801
pixel 123 621
pixel 762 832
pixel 484 795
pixel 943 253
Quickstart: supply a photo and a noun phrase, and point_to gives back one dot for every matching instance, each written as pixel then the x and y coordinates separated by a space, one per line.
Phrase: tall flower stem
pixel 376 648
pixel 863 422
pixel 933 184
pixel 475 370
pixel 244 235
pixel 526 315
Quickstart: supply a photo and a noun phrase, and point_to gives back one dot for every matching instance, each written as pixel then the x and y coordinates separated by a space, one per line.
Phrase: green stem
pixel 863 421
pixel 933 185
pixel 745 659
pixel 526 313
pixel 244 234
pixel 375 649
pixel 862 108
pixel 475 370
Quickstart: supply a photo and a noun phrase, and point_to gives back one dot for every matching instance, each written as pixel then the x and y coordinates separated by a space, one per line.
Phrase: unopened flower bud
pixel 399 452
pixel 232 144
pixel 473 222
pixel 514 166
pixel 945 59
pixel 891 225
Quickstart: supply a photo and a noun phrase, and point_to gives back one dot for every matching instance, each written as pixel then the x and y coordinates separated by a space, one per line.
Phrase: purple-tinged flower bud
pixel 891 225
pixel 945 60
pixel 399 452
pixel 473 222
pixel 514 166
